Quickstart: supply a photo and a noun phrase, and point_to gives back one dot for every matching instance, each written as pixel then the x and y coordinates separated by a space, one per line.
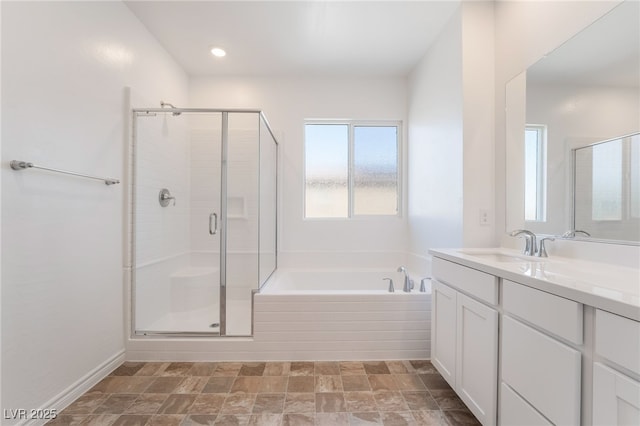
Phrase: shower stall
pixel 203 222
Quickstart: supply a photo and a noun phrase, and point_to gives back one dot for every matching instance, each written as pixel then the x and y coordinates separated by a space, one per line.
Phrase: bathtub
pixel 336 281
pixel 337 314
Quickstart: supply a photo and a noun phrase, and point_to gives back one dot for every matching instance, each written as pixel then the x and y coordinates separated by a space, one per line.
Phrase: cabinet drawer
pixel 543 371
pixel 618 340
pixel 516 411
pixel 616 398
pixel 471 281
pixel 559 316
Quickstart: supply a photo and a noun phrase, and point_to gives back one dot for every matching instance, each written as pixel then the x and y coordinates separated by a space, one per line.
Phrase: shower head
pixel 163 104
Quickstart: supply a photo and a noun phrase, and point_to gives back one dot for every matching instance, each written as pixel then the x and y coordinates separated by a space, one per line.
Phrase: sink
pixel 499 256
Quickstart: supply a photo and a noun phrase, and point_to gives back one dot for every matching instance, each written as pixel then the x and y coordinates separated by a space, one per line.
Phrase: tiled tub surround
pixel 343 314
pixel 270 393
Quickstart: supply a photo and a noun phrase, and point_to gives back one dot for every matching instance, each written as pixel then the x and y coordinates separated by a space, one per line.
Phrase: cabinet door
pixel 616 398
pixel 477 358
pixel 543 371
pixel 443 323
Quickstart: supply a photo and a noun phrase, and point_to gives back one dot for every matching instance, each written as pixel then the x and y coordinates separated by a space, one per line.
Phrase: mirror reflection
pixel 607 189
pixel 576 103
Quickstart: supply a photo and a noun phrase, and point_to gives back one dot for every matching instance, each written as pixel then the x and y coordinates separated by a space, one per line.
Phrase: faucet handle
pixel 542 250
pixel 391 288
pixel 423 287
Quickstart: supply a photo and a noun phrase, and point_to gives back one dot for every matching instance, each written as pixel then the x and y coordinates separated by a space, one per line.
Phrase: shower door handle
pixel 213 223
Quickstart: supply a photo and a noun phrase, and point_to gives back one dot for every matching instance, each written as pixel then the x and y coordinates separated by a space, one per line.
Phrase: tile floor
pixel 270 393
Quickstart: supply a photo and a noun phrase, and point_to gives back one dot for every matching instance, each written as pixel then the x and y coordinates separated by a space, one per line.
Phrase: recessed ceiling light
pixel 218 52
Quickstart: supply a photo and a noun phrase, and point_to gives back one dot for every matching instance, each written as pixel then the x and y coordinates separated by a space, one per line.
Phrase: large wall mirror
pixel 572 125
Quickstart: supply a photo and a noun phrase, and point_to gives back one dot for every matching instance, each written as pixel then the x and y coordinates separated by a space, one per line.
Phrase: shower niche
pixel 197 260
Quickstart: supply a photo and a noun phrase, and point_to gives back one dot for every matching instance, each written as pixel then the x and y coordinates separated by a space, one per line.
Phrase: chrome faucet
pixel 530 247
pixel 572 233
pixel 408 283
pixel 542 250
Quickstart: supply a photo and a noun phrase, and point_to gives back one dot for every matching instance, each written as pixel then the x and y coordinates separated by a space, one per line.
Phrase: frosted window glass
pixel 326 170
pixel 375 170
pixel 607 181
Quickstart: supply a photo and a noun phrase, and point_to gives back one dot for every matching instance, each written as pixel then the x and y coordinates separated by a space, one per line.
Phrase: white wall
pixel 451 132
pixel 436 143
pixel 64 69
pixel 478 71
pixel 287 102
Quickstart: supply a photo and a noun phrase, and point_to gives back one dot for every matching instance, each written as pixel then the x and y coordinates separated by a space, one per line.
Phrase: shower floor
pixel 200 320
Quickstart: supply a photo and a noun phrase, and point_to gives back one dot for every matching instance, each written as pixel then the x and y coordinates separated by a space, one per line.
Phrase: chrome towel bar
pixel 19 165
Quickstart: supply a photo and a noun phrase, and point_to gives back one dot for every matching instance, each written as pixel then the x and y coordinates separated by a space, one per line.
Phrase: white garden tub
pixel 339 314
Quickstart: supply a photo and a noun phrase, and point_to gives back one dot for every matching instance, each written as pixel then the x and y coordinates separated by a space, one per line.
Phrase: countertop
pixel 609 287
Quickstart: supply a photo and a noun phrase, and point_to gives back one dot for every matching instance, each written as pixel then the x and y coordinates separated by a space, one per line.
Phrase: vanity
pixel 526 340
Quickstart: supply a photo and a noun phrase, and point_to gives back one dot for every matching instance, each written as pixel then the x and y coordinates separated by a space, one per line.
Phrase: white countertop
pixel 609 287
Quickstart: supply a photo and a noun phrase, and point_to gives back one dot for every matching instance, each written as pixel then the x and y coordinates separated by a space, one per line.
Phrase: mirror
pixel 606 188
pixel 564 111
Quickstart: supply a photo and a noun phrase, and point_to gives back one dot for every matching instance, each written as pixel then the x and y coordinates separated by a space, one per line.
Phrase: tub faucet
pixel 530 247
pixel 408 282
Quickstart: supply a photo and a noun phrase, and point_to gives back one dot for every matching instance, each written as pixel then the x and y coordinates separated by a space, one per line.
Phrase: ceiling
pixel 293 38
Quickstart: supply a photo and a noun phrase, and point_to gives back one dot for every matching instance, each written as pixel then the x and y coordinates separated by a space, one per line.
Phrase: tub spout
pixel 408 282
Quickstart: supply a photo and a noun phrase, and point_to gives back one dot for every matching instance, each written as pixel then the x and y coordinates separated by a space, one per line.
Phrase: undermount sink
pixel 498 256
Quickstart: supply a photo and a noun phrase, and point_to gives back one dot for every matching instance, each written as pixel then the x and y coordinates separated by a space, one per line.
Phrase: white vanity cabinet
pixel 537 360
pixel 616 395
pixel 465 335
pixel 523 344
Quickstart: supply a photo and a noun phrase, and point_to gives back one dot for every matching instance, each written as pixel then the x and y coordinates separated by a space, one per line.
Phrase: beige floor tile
pixel 299 393
pixel 274 384
pixel 323 368
pixel 328 384
pixel 299 419
pixel 301 368
pixel 352 368
pixel 277 369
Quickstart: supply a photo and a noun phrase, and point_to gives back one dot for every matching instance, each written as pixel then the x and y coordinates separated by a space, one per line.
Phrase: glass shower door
pixel 176 240
pixel 203 220
pixel 240 220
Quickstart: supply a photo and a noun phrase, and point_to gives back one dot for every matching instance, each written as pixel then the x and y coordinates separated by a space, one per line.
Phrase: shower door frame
pixel 135 113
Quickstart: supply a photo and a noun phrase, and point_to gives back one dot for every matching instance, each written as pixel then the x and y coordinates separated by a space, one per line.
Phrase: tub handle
pixel 391 289
pixel 213 223
pixel 423 288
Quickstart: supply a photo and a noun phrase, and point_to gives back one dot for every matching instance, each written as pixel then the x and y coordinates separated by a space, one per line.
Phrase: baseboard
pixel 77 389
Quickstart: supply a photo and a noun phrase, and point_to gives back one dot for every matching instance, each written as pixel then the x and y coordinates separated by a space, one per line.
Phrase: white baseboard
pixel 77 389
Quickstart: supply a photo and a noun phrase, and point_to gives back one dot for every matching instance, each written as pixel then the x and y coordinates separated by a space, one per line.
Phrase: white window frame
pixel 350 175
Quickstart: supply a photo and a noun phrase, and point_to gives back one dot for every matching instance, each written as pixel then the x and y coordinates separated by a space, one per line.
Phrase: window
pixel 351 169
pixel 606 181
pixel 535 186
